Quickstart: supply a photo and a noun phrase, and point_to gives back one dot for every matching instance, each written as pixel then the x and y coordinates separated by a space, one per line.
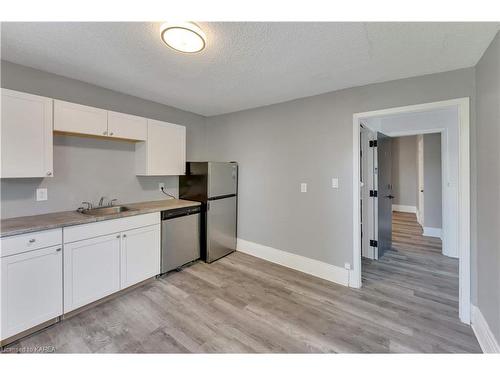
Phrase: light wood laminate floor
pixel 408 303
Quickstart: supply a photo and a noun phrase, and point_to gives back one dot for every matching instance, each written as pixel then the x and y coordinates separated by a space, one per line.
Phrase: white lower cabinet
pixel 120 253
pixel 31 289
pixel 97 259
pixel 91 270
pixel 140 255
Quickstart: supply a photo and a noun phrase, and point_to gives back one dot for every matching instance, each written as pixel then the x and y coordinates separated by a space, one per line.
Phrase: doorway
pixel 456 183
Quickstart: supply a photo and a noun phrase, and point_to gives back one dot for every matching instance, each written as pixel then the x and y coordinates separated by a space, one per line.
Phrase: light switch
pixel 335 183
pixel 41 194
pixel 303 187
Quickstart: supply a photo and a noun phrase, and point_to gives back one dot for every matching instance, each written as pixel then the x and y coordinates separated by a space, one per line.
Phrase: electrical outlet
pixel 347 266
pixel 335 183
pixel 41 194
pixel 161 186
pixel 303 187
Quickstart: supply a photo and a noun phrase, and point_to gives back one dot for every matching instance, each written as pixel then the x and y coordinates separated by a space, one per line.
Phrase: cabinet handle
pixel 32 240
pixel 49 173
pixel 118 236
pixel 58 249
pixel 111 133
pixel 124 235
pixel 105 133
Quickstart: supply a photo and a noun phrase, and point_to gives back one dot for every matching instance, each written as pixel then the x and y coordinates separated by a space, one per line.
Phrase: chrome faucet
pixel 101 201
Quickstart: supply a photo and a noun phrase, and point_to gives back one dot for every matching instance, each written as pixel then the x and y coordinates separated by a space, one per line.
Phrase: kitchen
pixel 107 247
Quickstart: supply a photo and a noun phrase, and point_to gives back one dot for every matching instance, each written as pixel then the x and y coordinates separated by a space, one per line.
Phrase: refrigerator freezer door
pixel 222 179
pixel 221 228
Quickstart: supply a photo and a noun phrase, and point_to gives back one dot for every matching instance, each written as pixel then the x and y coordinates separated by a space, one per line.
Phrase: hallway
pixel 422 285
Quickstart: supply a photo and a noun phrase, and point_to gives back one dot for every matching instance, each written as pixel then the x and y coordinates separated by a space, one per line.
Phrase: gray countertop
pixel 27 224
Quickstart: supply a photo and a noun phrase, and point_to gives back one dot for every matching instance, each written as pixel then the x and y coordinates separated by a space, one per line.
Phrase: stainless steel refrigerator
pixel 215 185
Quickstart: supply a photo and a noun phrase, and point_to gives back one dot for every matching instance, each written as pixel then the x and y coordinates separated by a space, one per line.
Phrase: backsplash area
pixel 84 170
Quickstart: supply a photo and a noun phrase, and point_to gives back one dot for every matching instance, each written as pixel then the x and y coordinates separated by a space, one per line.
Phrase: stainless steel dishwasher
pixel 180 237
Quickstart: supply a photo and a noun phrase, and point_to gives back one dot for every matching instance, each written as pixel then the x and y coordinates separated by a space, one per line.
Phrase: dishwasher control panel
pixel 170 214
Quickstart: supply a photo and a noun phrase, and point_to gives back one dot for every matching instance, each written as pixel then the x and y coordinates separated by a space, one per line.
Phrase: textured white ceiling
pixel 245 65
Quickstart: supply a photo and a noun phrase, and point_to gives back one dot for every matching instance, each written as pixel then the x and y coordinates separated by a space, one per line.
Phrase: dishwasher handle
pixel 172 214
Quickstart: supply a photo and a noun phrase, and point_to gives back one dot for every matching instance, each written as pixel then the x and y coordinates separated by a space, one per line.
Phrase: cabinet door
pixel 31 289
pixel 26 127
pixel 121 125
pixel 140 255
pixel 164 153
pixel 76 118
pixel 91 270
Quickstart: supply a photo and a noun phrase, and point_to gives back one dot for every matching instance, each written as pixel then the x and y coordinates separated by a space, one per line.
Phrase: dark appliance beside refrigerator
pixel 215 185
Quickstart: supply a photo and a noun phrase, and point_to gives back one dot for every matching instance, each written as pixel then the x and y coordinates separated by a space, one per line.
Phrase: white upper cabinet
pixel 121 125
pixel 164 152
pixel 81 119
pixel 26 127
pixel 28 122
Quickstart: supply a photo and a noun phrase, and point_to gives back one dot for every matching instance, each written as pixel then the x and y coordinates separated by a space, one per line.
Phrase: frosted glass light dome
pixel 183 36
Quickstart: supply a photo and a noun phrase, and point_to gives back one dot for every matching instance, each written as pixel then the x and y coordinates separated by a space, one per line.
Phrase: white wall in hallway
pixel 404 171
pixel 432 182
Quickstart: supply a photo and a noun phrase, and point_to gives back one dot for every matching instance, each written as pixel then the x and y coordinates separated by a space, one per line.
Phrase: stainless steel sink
pixel 103 211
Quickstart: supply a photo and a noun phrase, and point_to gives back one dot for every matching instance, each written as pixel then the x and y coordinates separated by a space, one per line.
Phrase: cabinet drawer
pixel 30 241
pixel 101 228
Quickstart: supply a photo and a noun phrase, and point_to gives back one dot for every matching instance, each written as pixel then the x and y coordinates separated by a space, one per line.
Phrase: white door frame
pixel 420 180
pixel 463 193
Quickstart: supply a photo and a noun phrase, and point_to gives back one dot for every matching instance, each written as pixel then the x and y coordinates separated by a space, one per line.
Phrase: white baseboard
pixel 310 266
pixel 483 333
pixel 432 232
pixel 403 208
pixel 419 219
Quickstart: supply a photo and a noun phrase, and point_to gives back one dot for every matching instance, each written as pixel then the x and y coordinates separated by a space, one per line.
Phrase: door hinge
pixel 373 243
pixel 373 143
pixel 373 193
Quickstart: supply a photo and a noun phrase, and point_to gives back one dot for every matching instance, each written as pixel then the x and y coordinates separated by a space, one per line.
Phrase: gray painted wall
pixel 404 170
pixel 310 140
pixel 86 168
pixel 432 181
pixel 273 144
pixel 488 182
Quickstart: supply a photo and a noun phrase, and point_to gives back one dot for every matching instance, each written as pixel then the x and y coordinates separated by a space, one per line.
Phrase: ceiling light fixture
pixel 183 36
